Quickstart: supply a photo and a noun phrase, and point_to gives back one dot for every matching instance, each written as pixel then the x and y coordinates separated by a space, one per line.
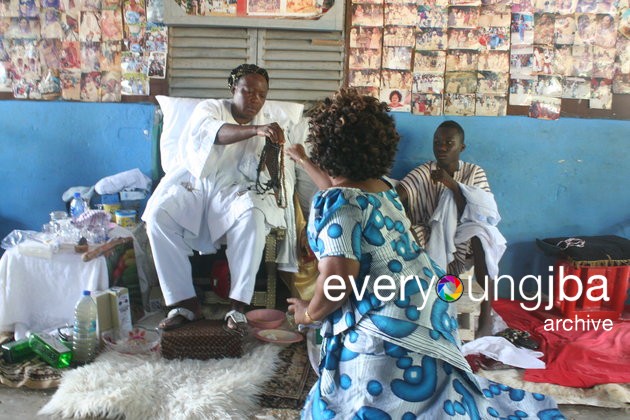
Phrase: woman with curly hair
pixel 391 346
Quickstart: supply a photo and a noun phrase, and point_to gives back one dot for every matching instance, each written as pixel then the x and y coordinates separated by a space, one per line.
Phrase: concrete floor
pixel 23 404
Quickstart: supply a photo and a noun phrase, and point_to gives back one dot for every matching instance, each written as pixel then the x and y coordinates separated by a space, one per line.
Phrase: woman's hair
pixel 245 69
pixel 395 92
pixel 352 136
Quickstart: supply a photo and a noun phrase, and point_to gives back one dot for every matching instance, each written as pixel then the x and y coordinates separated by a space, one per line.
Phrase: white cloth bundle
pixel 133 178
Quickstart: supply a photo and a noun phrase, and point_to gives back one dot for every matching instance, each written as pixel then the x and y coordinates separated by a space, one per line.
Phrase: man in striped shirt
pixel 420 193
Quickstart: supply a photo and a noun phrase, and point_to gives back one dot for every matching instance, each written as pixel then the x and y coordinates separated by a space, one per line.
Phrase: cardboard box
pixel 121 311
pixel 104 322
pixel 156 299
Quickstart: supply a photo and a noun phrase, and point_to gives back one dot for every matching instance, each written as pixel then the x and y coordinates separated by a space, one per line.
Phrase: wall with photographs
pixel 493 57
pixel 48 147
pixel 80 50
pixel 561 178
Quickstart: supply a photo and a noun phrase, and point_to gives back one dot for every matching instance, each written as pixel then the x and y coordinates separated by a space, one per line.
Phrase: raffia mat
pixel 605 395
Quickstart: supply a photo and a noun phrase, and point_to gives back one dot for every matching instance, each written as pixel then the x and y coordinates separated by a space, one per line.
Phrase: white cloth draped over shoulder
pixel 223 178
pixel 479 218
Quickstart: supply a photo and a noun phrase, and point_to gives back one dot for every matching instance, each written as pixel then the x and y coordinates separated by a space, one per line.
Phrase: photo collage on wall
pixel 474 57
pixel 80 50
pixel 261 8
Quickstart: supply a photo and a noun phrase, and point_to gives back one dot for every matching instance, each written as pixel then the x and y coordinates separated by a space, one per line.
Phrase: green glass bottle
pixel 16 351
pixel 51 350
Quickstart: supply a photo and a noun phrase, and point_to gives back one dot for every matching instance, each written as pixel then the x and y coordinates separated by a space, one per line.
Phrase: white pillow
pixel 176 112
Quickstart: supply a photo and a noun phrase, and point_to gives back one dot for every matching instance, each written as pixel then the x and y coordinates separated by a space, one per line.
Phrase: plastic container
pixel 590 304
pixel 126 218
pixel 78 206
pixel 84 338
pixel 50 350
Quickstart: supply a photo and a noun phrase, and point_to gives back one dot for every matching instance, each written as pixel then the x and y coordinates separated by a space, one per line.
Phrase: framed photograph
pixel 432 16
pixel 545 108
pixel 405 14
pixel 399 36
pixel 601 93
pixel 566 7
pixel 426 104
pixel 582 56
pixel 458 104
pixel 463 39
pixel 490 82
pixel 366 37
pixel 604 62
pixel 496 15
pixel 429 62
pixel 431 39
pixel 494 38
pixel 463 17
pixel 585 29
pixel 461 60
pixel 522 29
pixel 522 90
pixel 428 83
pixel 562 60
pixel 396 79
pixel 576 88
pixel 521 60
pixel 542 59
pixel 369 91
pixel 621 83
pixel 364 78
pixel 461 82
pixel 397 58
pixel 397 100
pixel 490 105
pixel 498 61
pixel 549 86
pixel 544 24
pixel 565 28
pixel 523 6
pixel 110 86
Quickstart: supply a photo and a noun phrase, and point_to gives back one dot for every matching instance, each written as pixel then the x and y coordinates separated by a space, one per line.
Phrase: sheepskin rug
pixel 149 387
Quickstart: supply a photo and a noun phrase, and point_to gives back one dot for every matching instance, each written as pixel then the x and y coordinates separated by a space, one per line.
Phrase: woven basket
pixel 205 339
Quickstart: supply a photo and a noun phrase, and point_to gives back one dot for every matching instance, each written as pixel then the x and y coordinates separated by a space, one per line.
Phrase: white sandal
pixel 187 315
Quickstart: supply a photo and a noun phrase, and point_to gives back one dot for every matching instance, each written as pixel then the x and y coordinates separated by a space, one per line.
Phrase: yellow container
pixel 126 218
pixel 111 209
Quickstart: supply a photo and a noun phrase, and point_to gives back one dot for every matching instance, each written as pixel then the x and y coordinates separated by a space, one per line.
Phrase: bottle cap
pixel 86 293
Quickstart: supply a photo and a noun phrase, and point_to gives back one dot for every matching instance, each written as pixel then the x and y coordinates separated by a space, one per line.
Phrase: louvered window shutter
pixel 304 66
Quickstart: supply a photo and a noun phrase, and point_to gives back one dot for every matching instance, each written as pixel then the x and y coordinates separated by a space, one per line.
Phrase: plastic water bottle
pixel 78 205
pixel 84 338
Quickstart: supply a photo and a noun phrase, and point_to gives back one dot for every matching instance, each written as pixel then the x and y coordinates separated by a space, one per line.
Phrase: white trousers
pixel 245 245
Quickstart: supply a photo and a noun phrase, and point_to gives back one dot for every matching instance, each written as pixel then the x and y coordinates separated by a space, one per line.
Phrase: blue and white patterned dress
pixel 395 358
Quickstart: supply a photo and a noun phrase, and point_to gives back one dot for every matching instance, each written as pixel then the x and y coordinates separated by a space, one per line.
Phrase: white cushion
pixel 176 112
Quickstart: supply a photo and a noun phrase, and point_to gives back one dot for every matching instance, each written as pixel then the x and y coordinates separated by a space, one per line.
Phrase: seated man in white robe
pixel 454 215
pixel 217 194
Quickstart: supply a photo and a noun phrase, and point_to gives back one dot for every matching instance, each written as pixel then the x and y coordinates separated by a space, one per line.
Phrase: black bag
pixel 608 250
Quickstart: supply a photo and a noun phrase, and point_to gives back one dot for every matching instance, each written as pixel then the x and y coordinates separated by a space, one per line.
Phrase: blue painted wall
pixel 47 147
pixel 550 178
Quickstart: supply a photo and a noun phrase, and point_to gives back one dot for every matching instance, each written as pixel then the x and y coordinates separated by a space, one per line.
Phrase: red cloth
pixel 580 358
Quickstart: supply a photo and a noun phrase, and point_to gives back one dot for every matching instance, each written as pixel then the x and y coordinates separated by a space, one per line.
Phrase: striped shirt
pixel 423 197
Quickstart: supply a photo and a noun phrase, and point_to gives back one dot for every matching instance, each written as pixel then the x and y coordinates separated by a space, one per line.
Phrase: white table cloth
pixel 39 294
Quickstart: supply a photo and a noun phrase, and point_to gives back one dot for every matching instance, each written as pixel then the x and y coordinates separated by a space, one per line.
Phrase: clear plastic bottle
pixel 78 205
pixel 84 338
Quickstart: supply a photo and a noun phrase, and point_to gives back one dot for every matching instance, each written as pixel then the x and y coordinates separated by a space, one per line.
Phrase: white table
pixel 39 294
